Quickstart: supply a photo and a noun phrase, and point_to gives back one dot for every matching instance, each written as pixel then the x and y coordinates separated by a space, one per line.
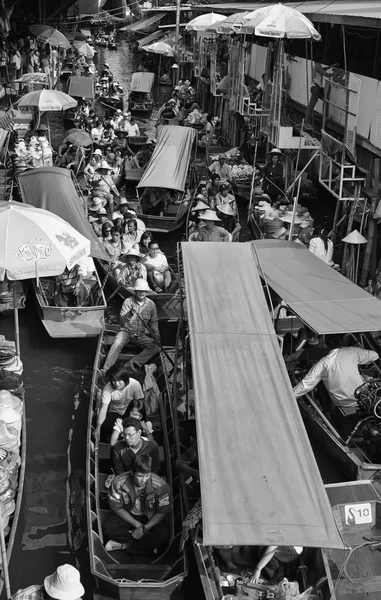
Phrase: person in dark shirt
pixel 132 444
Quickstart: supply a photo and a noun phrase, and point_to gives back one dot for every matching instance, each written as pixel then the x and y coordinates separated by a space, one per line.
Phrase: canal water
pixel 57 376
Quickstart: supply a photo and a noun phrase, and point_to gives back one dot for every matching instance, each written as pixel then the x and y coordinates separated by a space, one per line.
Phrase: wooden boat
pixel 71 322
pixel 137 141
pixel 111 102
pixel 167 303
pixel 289 269
pixel 134 175
pixel 140 99
pixel 168 169
pixel 115 574
pixel 14 519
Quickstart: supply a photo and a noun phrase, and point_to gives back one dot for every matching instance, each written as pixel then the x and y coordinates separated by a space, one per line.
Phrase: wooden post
pixel 372 223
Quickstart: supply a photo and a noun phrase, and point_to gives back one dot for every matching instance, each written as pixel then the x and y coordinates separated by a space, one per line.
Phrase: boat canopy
pixel 260 484
pixel 145 24
pixel 53 189
pixel 168 166
pixel 321 297
pixel 155 36
pixel 81 87
pixel 142 82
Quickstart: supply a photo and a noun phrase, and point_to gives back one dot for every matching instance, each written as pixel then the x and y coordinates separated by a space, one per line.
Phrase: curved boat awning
pixel 53 189
pixel 142 82
pixel 168 166
pixel 81 87
pixel 321 297
pixel 260 484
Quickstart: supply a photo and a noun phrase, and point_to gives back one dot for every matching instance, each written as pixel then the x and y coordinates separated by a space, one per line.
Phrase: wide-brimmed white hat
pixel 104 165
pixel 98 152
pixel 97 203
pixel 200 206
pixel 275 151
pixel 210 215
pixel 123 202
pixel 64 583
pixel 133 252
pixel 226 209
pixel 141 286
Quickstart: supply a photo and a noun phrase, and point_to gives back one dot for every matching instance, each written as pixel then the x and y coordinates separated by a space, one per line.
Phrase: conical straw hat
pixel 355 237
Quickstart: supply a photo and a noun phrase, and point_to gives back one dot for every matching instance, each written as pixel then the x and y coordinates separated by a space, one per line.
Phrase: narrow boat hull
pixel 164 224
pixel 137 141
pixel 112 103
pixel 134 175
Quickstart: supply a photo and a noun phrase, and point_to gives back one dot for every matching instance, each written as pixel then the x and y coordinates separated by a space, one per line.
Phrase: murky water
pixel 52 527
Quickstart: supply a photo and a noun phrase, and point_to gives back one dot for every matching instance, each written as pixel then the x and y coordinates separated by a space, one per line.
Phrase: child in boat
pixel 141 502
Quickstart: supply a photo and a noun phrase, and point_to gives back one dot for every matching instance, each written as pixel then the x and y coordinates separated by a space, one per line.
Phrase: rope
pixel 374 544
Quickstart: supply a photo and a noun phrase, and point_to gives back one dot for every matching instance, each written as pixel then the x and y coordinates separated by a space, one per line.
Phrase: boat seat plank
pixel 143 567
pixel 361 585
pixel 103 451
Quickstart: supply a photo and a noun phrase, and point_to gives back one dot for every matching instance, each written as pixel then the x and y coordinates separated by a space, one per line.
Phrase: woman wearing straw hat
pixel 131 269
pixel 209 231
pixel 63 584
pixel 273 175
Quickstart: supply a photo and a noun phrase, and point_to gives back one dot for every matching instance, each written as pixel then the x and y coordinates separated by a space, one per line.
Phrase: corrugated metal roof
pixel 150 38
pixel 364 13
pixel 145 23
pixel 321 297
pixel 260 483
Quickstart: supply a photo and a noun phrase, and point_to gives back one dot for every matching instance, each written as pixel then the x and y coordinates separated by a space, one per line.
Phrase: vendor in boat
pixel 63 584
pixel 103 185
pixel 141 502
pixel 339 372
pixel 131 269
pixel 115 248
pixel 129 439
pixel 209 231
pixel 132 128
pixel 70 289
pixel 273 183
pixel 225 197
pixel 272 560
pixel 229 220
pixel 222 168
pixel 115 398
pixel 139 322
pixel 158 271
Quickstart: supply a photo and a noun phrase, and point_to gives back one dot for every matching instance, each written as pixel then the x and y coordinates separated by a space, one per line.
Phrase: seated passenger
pixel 225 212
pixel 158 272
pixel 321 246
pixel 133 234
pixel 98 220
pixel 70 288
pixel 127 442
pixel 131 270
pixel 213 185
pixel 115 247
pixel 339 372
pixel 224 197
pixel 141 502
pixel 209 231
pixel 137 410
pixel 222 168
pixel 132 128
pixel 144 243
pixel 115 400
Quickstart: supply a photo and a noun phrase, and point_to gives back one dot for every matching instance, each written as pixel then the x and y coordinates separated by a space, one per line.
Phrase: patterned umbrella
pixel 54 38
pixel 84 48
pixel 228 24
pixel 159 48
pixel 278 21
pixel 205 22
pixel 47 100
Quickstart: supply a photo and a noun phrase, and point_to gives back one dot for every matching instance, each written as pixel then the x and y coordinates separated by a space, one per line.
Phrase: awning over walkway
pixel 324 299
pixel 259 480
pixel 144 24
pixel 53 189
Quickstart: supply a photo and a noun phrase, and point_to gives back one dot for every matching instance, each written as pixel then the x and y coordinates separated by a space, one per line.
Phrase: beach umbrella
pixel 159 48
pixel 279 21
pixel 79 137
pixel 84 48
pixel 205 22
pixel 53 37
pixel 228 24
pixel 36 29
pixel 35 242
pixel 47 100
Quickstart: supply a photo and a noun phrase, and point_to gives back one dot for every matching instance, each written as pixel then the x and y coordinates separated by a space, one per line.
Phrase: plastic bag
pixel 151 390
pixel 287 590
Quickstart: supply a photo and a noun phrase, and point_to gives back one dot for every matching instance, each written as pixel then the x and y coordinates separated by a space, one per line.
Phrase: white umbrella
pixel 229 23
pixel 84 48
pixel 278 21
pixel 205 22
pixel 159 48
pixel 35 242
pixel 47 100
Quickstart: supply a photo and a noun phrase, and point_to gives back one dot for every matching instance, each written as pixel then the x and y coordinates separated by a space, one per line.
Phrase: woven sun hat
pixel 104 165
pixel 123 202
pixel 226 209
pixel 141 286
pixel 64 583
pixel 275 151
pixel 102 211
pixel 97 203
pixel 133 252
pixel 200 206
pixel 210 215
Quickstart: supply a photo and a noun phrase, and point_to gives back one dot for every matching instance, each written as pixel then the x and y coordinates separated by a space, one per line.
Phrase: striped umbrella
pixel 54 38
pixel 47 100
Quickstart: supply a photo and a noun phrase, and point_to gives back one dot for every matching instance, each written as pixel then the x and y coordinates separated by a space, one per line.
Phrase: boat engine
pixel 368 398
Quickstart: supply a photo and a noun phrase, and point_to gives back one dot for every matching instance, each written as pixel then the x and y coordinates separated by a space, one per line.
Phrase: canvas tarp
pixel 53 189
pixel 144 24
pixel 168 166
pixel 81 87
pixel 260 484
pixel 142 82
pixel 324 299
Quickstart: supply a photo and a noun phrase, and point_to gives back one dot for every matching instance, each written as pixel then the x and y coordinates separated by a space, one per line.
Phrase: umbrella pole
pixel 158 74
pixel 16 320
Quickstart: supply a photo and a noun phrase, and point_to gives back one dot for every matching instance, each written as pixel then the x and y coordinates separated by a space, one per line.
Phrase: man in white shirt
pixel 338 370
pixel 222 169
pixel 158 272
pixel 132 128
